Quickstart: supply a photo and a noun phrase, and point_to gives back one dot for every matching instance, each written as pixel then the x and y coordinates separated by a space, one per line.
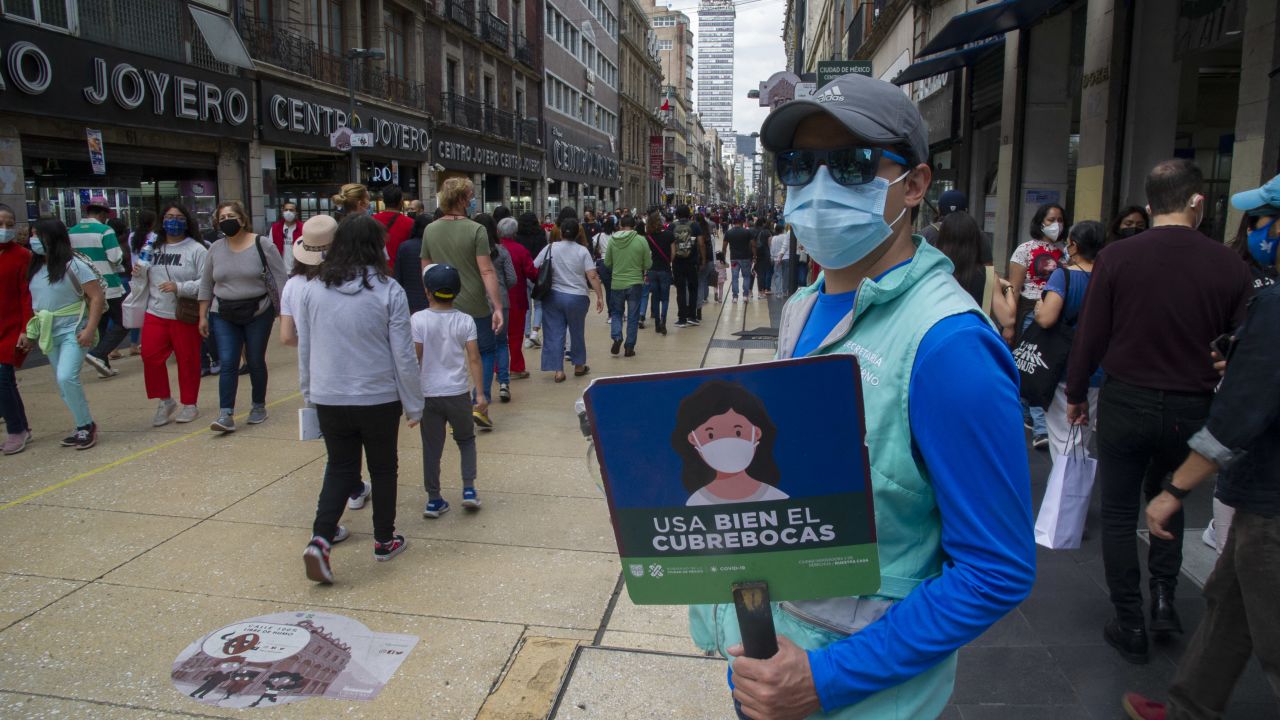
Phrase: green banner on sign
pixel 829 70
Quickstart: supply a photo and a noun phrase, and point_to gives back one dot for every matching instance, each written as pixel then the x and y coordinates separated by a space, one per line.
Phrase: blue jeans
pixel 533 316
pixel 1038 425
pixel 764 277
pixel 503 354
pixel 630 297
pixel 564 313
pixel 11 407
pixel 231 339
pixel 65 357
pixel 644 299
pixel 659 294
pixel 741 269
pixel 487 343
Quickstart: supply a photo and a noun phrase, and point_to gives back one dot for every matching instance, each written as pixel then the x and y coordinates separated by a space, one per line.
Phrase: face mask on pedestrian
pixel 1128 232
pixel 229 227
pixel 37 246
pixel 175 227
pixel 289 216
pixel 1261 246
pixel 728 455
pixel 840 225
pixel 1052 231
pixel 471 207
pixel 7 235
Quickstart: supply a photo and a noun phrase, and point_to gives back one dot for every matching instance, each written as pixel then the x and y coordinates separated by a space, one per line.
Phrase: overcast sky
pixel 757 54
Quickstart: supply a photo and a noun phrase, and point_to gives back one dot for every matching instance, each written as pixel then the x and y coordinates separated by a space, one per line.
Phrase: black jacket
pixel 1242 434
pixel 408 272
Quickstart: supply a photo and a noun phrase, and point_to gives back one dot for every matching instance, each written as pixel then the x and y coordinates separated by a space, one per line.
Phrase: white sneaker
pixel 187 414
pixel 164 413
pixel 355 502
pixel 1210 536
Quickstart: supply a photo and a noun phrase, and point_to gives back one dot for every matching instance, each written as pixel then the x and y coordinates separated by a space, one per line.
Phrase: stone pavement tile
pixel 670 620
pixel 950 712
pixel 1023 712
pixel 21 595
pixel 451 579
pixel 1100 676
pixel 1012 676
pixel 505 518
pixel 45 462
pixel 608 684
pixel 531 680
pixel 116 644
pixel 194 479
pixel 1012 630
pixel 647 641
pixel 582 635
pixel 32 707
pixel 78 544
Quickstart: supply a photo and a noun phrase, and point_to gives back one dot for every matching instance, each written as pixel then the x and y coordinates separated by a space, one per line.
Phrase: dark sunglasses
pixel 848 166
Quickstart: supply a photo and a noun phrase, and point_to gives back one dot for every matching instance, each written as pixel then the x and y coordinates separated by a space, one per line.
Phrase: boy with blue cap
pixel 448 350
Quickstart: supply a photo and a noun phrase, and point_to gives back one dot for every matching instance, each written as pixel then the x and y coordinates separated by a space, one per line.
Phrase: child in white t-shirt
pixel 446 343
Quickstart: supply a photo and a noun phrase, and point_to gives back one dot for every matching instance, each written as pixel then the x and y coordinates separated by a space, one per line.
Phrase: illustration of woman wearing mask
pixel 725 438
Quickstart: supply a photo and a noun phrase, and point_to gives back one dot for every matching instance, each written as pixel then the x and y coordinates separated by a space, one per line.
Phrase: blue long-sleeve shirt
pixel 966 426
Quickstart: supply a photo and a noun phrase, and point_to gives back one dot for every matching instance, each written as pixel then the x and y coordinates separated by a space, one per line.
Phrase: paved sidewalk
pixel 116 558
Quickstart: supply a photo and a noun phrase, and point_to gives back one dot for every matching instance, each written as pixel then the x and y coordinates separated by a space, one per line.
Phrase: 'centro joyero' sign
pixel 50 74
pixel 297 117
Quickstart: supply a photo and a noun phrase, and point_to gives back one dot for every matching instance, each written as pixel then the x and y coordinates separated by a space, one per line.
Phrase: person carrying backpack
pixel 685 261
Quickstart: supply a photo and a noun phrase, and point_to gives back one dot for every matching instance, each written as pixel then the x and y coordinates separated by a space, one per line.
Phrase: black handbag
pixel 239 312
pixel 1041 356
pixel 542 286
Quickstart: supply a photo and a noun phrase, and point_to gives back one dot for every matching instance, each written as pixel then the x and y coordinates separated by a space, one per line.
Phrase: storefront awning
pixel 946 62
pixel 995 19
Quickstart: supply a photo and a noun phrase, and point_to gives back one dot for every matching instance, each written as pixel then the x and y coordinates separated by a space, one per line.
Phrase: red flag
pixel 666 105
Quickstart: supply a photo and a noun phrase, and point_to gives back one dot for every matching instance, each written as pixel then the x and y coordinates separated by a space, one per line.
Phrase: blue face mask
pixel 175 227
pixel 471 207
pixel 7 235
pixel 839 225
pixel 1261 247
pixel 37 247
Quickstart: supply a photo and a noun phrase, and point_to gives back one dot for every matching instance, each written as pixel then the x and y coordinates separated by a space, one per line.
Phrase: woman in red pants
pixel 519 293
pixel 173 267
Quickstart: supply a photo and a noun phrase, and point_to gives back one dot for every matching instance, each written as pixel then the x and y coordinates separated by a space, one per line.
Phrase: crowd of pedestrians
pixel 398 315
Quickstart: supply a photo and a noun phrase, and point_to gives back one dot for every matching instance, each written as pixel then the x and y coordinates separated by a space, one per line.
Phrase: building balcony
pixel 289 51
pixel 461 112
pixel 468 114
pixel 461 13
pixel 524 51
pixel 493 29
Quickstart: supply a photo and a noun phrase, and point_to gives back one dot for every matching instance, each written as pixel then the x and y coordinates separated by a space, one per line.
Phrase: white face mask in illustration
pixel 728 455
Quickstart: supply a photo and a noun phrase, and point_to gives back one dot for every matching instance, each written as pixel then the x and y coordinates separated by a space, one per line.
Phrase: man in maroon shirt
pixel 399 226
pixel 1155 303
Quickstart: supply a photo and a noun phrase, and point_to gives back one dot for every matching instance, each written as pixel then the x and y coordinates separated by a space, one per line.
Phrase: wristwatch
pixel 1174 490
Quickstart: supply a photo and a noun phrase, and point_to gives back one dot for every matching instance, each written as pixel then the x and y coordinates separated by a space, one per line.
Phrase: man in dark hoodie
pixel 627 256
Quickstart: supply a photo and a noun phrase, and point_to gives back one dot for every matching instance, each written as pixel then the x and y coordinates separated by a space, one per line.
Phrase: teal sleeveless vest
pixel 890 317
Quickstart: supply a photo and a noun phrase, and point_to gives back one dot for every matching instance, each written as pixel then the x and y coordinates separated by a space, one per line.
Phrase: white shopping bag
pixel 308 424
pixel 1066 501
pixel 134 307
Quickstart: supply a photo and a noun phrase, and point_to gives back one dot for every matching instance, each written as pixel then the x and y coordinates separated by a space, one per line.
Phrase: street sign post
pixel 829 70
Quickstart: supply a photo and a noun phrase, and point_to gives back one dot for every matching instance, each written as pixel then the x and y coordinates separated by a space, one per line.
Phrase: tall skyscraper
pixel 715 65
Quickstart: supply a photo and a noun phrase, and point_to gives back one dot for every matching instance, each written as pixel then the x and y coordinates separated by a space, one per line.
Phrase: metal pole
pixel 519 156
pixel 351 113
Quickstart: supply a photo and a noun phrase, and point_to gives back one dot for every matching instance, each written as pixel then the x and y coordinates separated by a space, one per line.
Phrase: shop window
pixel 52 14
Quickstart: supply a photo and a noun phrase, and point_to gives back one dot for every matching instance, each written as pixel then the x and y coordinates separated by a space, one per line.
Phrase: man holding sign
pixel 948 468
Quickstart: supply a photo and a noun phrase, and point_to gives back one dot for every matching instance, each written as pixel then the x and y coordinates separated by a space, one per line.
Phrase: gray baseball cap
pixel 873 110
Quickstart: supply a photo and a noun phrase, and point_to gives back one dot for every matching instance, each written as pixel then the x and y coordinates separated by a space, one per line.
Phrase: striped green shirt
pixel 97 241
